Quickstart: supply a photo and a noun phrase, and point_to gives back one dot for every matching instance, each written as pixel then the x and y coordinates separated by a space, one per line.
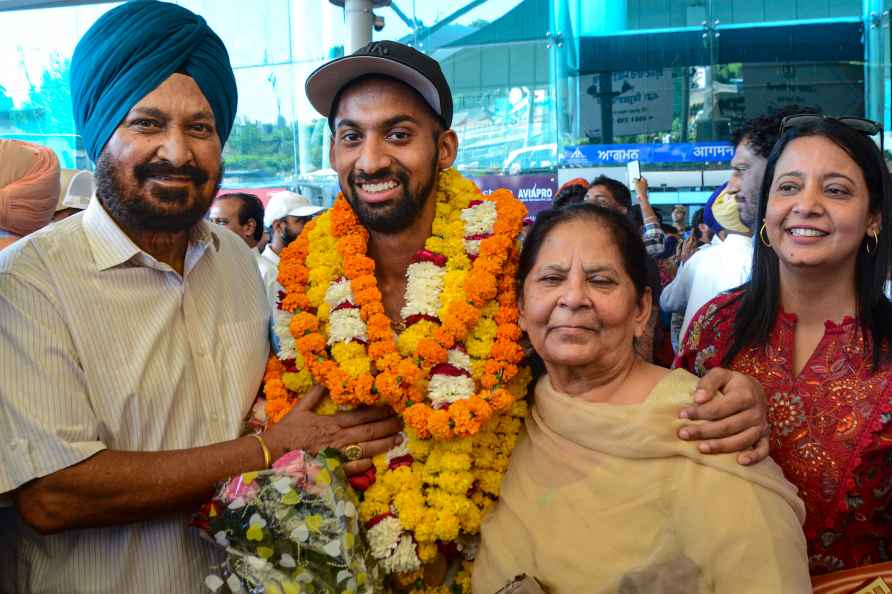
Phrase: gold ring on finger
pixel 353 452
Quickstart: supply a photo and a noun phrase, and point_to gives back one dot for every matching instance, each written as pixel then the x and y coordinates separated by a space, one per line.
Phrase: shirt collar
pixel 112 247
pixel 269 254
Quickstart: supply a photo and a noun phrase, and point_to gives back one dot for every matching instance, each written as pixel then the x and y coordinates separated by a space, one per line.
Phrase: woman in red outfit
pixel 813 327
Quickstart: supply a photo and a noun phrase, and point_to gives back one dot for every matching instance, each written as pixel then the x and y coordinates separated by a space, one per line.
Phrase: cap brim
pixel 305 211
pixel 324 83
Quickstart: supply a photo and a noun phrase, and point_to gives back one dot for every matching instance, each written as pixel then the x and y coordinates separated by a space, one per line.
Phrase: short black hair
pixel 618 190
pixel 250 209
pixel 441 124
pixel 570 195
pixel 696 221
pixel 762 131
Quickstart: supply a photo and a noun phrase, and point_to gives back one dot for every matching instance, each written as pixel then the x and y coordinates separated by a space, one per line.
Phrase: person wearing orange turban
pixel 29 188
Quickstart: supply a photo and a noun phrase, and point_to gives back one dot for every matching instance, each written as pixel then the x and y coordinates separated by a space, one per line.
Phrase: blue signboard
pixel 588 155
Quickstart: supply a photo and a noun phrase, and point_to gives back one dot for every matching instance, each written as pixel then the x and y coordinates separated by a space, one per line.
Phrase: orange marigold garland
pixel 453 372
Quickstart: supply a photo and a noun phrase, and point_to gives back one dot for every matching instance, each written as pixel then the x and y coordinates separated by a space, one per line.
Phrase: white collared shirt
pixel 106 347
pixel 270 276
pixel 707 273
pixel 269 270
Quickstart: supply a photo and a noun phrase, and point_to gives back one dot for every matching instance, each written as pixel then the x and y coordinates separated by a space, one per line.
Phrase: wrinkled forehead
pixel 586 239
pixel 178 96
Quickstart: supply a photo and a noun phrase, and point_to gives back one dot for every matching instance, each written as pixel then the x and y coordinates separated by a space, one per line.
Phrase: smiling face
pixel 388 148
pixel 161 168
pixel 578 304
pixel 817 215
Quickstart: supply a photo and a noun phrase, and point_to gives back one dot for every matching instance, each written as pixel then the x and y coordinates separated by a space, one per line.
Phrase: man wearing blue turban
pixel 133 49
pixel 135 333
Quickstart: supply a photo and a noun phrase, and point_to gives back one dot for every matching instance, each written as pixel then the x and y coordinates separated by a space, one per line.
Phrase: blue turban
pixel 134 48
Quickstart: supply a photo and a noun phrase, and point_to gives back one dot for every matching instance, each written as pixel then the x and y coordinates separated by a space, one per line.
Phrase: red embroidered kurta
pixel 830 429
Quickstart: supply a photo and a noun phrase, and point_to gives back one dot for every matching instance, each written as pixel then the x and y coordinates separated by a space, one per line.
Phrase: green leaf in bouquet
pixel 292 497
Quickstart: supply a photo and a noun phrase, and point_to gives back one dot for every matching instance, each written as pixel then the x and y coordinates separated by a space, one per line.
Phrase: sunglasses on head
pixel 865 126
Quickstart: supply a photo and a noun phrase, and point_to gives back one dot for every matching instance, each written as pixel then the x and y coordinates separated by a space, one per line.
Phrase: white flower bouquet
pixel 293 528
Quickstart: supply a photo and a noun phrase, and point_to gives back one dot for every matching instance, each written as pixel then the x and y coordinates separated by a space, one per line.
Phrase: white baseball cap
pixel 75 190
pixel 288 204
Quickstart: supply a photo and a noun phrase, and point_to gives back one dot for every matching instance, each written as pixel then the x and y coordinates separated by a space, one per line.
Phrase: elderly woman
pixel 813 326
pixel 600 496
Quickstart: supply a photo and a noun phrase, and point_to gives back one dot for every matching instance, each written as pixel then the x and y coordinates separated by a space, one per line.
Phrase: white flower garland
pixel 346 325
pixel 423 287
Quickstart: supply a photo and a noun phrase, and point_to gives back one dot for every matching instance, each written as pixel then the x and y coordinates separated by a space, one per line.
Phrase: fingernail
pixel 399 438
pixel 684 414
pixel 684 434
pixel 704 447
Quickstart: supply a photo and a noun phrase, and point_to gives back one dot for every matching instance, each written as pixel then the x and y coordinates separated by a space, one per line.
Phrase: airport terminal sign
pixel 535 190
pixel 587 155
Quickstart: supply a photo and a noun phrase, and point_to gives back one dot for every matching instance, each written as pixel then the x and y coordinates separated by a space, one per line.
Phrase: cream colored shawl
pixel 604 498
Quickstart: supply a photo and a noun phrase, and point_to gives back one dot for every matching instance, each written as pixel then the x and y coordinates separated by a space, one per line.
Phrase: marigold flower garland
pixel 452 373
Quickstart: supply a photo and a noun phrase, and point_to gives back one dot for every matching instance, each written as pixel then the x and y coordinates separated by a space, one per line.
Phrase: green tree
pixel 6 104
pixel 47 110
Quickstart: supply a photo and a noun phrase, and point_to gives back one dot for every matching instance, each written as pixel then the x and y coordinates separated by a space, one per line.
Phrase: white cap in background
pixel 288 204
pixel 75 190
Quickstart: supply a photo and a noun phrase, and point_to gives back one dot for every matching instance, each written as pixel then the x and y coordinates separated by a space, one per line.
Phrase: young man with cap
pixel 133 345
pixel 285 215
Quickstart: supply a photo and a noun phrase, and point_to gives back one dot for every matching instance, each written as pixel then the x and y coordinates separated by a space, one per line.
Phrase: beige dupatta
pixel 605 499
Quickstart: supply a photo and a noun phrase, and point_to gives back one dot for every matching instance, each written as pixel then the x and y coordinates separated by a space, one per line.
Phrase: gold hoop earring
pixel 762 236
pixel 876 239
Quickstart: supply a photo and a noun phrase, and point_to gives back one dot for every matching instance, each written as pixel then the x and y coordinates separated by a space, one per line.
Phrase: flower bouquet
pixel 293 528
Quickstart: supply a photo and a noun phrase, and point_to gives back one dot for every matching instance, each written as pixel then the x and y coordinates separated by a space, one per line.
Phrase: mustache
pixel 354 178
pixel 144 171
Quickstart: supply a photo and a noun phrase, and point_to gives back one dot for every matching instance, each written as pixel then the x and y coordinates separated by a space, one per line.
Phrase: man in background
pixel 242 214
pixel 29 188
pixel 609 193
pixel 285 216
pixel 680 218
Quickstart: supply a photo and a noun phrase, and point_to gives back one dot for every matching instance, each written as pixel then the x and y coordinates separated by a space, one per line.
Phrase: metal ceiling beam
pixel 8 5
